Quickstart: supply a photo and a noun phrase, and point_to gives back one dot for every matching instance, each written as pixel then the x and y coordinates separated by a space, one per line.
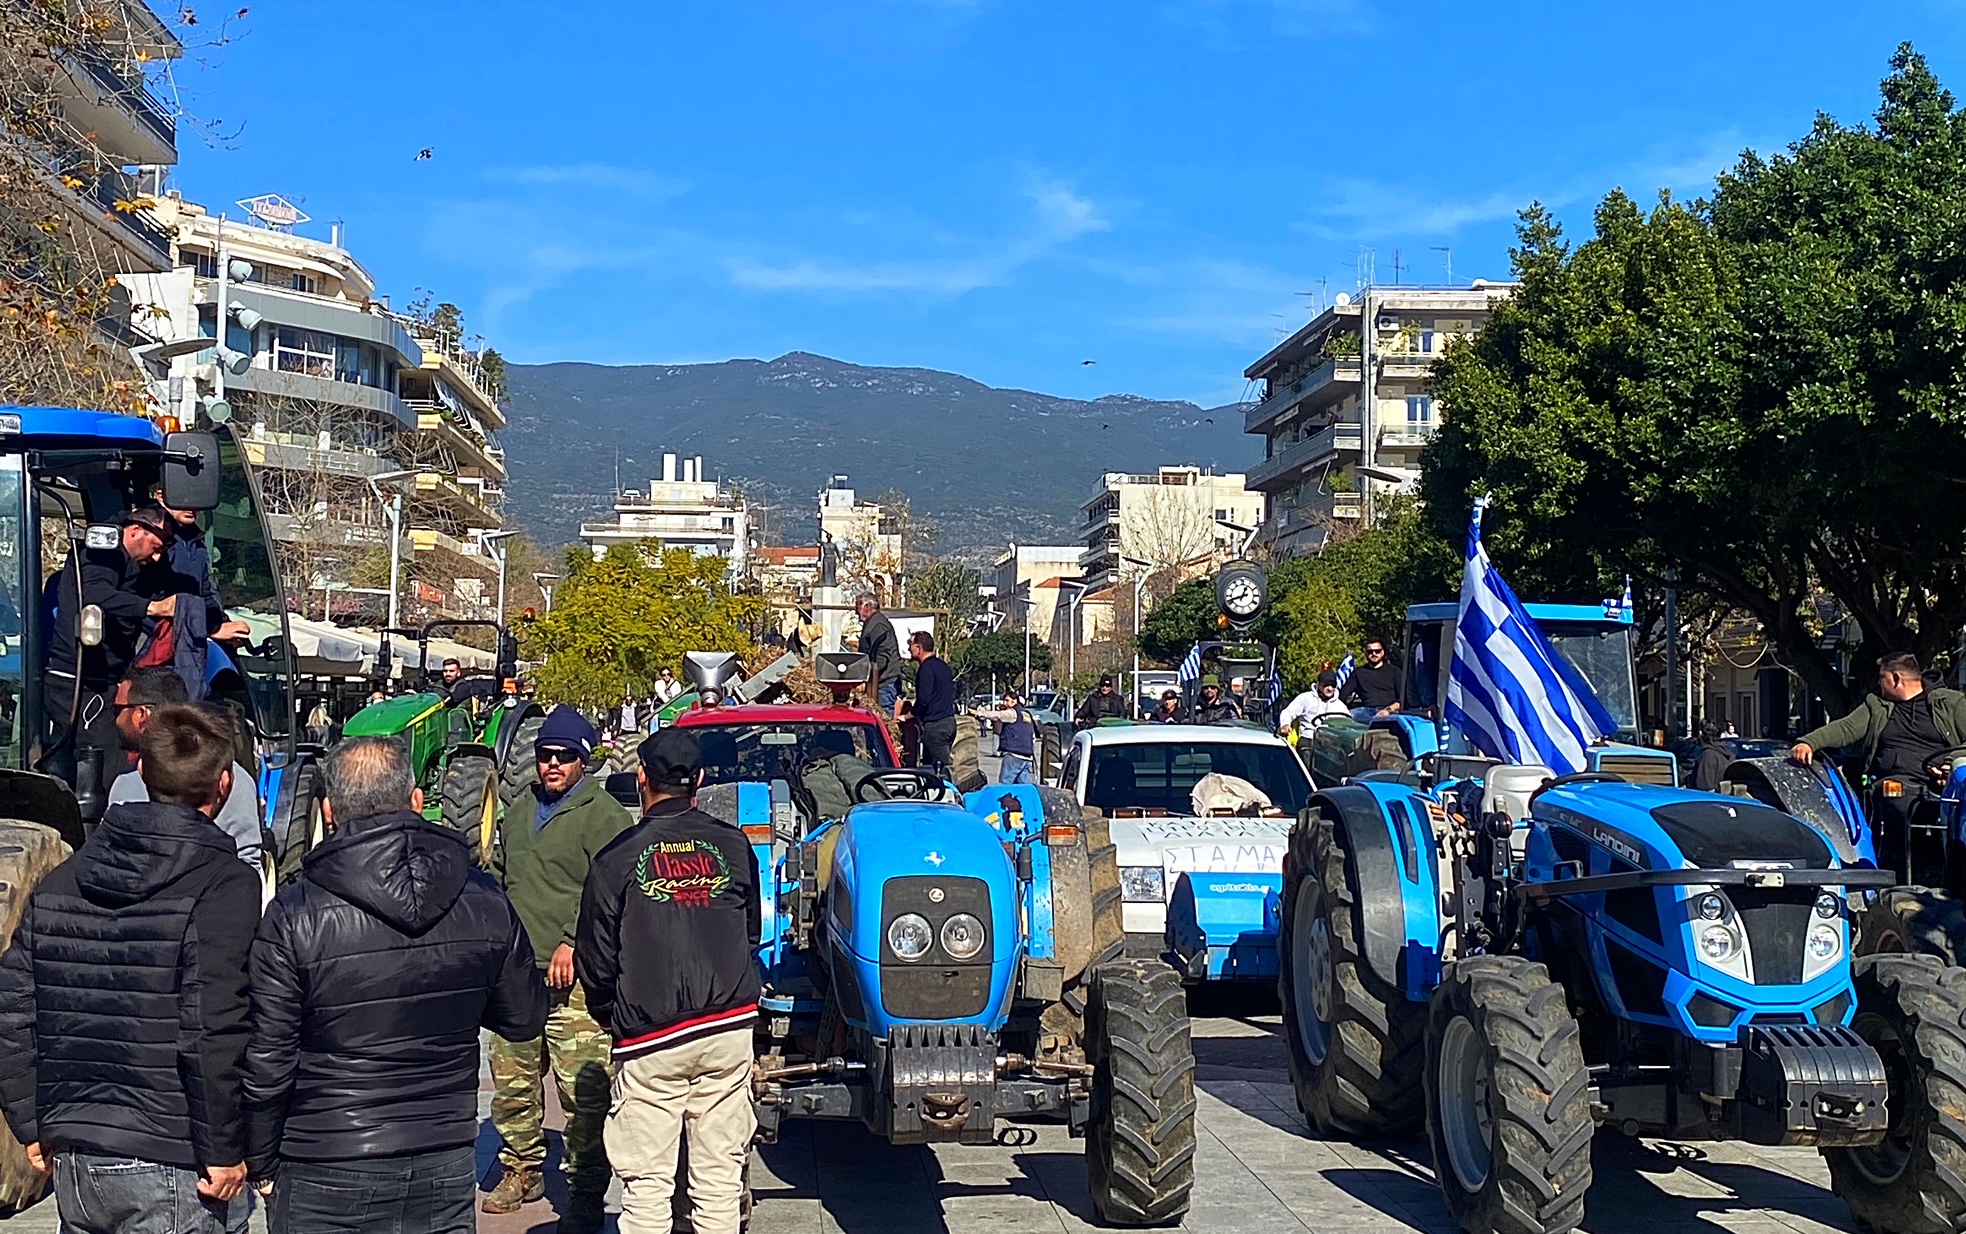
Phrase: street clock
pixel 1241 591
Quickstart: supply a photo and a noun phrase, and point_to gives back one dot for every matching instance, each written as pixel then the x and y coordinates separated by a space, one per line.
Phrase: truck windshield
pixel 1155 776
pixel 1604 657
pixel 751 752
pixel 13 560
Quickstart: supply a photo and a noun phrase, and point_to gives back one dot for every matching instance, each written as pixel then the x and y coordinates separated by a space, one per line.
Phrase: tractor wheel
pixel 1355 1042
pixel 519 772
pixel 1140 1139
pixel 1912 1010
pixel 1108 931
pixel 470 803
pixel 1508 1099
pixel 1913 921
pixel 27 852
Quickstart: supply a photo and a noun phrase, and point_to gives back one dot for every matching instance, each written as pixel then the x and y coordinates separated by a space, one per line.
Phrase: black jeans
pixel 424 1193
pixel 938 742
pixel 100 1194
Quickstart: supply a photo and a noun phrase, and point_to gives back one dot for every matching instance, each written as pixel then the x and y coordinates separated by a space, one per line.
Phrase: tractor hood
pixel 1655 828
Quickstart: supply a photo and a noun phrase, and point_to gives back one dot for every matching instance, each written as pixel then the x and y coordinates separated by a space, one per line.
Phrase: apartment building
pixel 358 419
pixel 1172 518
pixel 867 537
pixel 686 508
pixel 1353 388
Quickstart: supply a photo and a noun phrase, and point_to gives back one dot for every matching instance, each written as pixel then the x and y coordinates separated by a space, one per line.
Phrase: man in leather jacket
pixel 371 978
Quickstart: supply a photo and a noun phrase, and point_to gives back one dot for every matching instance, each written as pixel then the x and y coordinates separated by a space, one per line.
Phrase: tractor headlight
pixel 1825 941
pixel 1718 943
pixel 909 936
pixel 1827 905
pixel 1712 907
pixel 962 936
pixel 1143 884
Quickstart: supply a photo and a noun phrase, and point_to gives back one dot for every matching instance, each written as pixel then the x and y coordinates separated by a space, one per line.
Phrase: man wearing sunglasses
pixel 544 855
pixel 1373 690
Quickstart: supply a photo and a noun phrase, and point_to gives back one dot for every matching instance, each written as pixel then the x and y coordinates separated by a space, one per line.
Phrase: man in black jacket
pixel 934 707
pixel 879 644
pixel 669 923
pixel 371 978
pixel 123 1003
pixel 1103 703
pixel 1374 688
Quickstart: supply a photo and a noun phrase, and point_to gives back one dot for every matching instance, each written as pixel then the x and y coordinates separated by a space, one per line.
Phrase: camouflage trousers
pixel 576 1049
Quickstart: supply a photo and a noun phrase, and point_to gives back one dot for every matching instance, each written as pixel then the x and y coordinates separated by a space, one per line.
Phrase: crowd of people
pixel 168 1051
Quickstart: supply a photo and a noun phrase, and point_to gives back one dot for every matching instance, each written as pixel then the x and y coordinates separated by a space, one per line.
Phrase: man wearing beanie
pixel 669 924
pixel 547 841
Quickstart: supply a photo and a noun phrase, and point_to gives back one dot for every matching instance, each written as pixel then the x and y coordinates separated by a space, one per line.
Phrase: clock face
pixel 1243 594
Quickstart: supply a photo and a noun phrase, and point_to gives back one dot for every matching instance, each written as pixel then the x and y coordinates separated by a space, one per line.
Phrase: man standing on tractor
pixel 669 927
pixel 192 557
pixel 1299 718
pixel 1902 728
pixel 546 851
pixel 879 644
pixel 1102 704
pixel 1374 688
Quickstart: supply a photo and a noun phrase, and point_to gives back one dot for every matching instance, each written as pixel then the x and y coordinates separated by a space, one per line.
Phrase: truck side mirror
pixel 190 472
pixel 508 658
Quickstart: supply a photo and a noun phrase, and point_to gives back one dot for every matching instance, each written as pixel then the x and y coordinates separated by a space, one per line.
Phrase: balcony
pixel 473 454
pixel 1281 469
pixel 131 124
pixel 463 501
pixel 293 453
pixel 1406 436
pixel 1339 369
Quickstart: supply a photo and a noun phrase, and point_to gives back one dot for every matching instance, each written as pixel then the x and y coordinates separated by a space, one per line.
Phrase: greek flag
pixel 1190 668
pixel 1509 691
pixel 1345 668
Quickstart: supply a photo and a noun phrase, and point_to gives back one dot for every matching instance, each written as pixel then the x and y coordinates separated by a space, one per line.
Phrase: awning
pixel 324 650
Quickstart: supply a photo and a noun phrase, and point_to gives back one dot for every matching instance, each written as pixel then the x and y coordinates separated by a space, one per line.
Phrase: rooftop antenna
pixel 1449 258
pixel 1396 267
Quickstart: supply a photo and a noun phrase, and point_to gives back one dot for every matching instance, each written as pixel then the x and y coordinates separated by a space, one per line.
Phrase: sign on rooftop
pixel 273 210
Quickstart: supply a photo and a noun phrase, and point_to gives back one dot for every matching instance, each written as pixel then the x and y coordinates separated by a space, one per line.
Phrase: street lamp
pixel 1142 569
pixel 392 508
pixel 1072 641
pixel 544 581
pixel 493 542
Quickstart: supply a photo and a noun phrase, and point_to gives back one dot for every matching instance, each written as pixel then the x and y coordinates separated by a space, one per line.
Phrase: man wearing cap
pixel 1104 703
pixel 129 584
pixel 669 924
pixel 1299 719
pixel 1017 740
pixel 547 843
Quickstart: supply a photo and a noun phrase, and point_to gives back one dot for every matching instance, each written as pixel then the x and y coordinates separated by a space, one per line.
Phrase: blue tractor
pixel 937 964
pixel 1514 959
pixel 66 475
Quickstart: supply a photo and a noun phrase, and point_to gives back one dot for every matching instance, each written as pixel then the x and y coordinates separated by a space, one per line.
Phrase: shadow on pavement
pixel 1236 1000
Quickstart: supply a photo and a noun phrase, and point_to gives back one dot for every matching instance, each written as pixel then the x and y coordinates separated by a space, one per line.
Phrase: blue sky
pixel 1003 188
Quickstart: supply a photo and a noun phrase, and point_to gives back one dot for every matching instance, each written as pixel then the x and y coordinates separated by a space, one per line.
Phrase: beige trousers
pixel 702 1089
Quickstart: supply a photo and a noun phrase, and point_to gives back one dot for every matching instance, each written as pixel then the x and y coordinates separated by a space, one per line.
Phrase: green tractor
pixel 471 747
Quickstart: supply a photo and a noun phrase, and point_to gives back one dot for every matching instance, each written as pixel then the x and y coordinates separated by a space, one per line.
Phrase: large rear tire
pixel 1108 930
pixel 470 803
pixel 27 852
pixel 1355 1042
pixel 1912 1010
pixel 519 773
pixel 1140 1140
pixel 1508 1099
pixel 1913 921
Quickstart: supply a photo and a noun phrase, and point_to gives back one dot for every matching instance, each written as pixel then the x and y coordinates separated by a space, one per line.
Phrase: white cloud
pixel 1059 217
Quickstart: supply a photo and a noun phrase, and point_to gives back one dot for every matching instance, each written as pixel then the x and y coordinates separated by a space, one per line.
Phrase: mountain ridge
pixel 780 428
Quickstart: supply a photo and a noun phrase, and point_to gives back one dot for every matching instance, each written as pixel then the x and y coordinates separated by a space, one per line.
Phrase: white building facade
pixel 685 508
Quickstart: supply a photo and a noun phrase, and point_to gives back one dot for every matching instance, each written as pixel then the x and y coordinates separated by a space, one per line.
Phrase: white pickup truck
pixel 1200 884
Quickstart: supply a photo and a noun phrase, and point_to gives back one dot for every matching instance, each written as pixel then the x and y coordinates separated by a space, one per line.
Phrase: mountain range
pixel 985 466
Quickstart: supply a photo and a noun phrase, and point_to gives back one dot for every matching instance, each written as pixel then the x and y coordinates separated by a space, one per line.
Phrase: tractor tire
pixel 470 804
pixel 1913 921
pixel 519 772
pixel 27 852
pixel 1355 1043
pixel 1140 1138
pixel 1108 930
pixel 1508 1099
pixel 1912 1010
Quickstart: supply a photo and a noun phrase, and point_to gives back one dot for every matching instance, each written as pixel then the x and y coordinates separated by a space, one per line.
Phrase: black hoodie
pixel 123 998
pixel 371 977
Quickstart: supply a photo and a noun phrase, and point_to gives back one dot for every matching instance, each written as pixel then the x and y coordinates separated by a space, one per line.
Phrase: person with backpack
pixel 1017 741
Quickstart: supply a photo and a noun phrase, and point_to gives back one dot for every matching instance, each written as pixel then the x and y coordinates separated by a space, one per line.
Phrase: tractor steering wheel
pixel 901 784
pixel 1577 777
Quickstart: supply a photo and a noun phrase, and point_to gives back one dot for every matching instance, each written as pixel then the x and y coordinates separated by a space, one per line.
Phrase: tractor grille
pixel 1777 921
pixel 1639 768
pixel 936 987
pixel 1571 846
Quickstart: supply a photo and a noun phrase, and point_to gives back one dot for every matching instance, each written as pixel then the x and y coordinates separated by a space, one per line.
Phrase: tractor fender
pixel 508 727
pixel 1819 796
pixel 1417 734
pixel 1389 848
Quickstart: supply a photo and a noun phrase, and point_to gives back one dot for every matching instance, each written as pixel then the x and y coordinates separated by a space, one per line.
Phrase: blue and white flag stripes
pixel 1345 668
pixel 1190 668
pixel 1508 690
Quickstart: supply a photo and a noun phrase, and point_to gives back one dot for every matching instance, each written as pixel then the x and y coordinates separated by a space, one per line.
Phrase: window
pixel 1155 776
pixel 302 282
pixel 1419 409
pixel 1427 344
pixel 204 265
pixel 734 752
pixel 304 351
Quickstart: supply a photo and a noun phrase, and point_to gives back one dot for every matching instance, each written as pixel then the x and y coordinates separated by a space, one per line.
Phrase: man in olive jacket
pixel 547 842
pixel 1903 729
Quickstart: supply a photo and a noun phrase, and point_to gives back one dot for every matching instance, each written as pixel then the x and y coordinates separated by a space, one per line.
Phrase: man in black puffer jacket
pixel 371 978
pixel 123 1002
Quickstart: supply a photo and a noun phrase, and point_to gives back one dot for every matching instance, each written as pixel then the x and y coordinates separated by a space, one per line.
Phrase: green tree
pixel 1000 653
pixel 1762 395
pixel 447 320
pixel 618 620
pixel 949 590
pixel 1317 624
pixel 1177 623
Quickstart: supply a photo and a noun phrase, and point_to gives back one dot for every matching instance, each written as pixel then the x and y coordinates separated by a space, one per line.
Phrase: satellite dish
pixel 1342 299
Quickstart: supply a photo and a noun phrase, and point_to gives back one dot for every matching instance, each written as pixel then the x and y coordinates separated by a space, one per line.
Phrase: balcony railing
pixel 132 92
pixel 1283 398
pixel 1313 449
pixel 107 186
